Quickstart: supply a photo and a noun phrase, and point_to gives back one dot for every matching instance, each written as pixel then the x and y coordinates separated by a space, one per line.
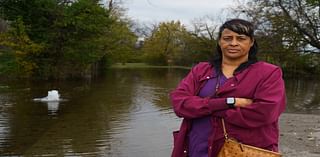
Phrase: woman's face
pixel 234 46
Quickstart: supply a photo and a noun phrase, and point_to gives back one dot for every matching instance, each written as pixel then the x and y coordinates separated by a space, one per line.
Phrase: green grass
pixel 144 65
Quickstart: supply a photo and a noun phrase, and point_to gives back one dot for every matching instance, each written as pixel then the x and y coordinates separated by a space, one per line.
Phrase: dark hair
pixel 241 27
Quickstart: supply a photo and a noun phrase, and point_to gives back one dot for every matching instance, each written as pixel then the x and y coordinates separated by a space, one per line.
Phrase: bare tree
pixel 297 20
pixel 305 17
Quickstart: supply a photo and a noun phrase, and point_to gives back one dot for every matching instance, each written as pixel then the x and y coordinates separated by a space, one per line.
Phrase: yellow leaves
pixel 23 49
pixel 20 45
pixel 26 68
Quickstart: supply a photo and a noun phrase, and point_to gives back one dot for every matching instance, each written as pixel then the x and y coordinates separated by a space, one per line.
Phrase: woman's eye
pixel 242 38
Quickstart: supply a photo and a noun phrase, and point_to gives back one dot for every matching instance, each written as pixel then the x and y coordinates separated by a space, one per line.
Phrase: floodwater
pixel 124 114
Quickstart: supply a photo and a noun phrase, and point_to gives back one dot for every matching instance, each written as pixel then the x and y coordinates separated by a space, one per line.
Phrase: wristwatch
pixel 230 101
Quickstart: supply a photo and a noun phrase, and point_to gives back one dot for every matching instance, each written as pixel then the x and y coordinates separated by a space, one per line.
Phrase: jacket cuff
pixel 217 104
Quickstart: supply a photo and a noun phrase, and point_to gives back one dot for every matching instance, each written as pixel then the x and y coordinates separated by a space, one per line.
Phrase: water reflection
pixel 127 113
pixel 53 107
pixel 303 96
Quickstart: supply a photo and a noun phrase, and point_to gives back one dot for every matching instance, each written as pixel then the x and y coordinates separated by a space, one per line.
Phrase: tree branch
pixel 310 39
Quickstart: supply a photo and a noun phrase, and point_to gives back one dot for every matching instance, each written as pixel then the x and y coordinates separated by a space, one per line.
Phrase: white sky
pixel 151 11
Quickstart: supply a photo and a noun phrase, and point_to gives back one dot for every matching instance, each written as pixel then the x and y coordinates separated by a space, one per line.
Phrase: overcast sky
pixel 183 10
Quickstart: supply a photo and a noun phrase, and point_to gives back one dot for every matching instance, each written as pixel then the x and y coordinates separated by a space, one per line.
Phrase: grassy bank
pixel 144 65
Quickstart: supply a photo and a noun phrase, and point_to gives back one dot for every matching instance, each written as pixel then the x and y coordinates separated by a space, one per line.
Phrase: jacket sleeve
pixel 187 104
pixel 268 103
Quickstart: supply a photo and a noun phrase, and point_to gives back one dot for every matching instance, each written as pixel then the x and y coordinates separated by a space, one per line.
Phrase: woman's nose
pixel 234 42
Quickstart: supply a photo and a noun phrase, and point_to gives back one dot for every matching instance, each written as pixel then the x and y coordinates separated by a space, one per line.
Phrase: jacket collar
pixel 211 73
pixel 241 74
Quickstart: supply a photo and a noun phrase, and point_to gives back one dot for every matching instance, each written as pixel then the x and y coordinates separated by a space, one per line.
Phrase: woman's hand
pixel 242 102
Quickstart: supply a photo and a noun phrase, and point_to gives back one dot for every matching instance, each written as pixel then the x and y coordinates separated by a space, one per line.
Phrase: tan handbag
pixel 232 148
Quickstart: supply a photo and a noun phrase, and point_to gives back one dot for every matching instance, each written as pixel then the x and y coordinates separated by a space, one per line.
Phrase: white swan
pixel 53 95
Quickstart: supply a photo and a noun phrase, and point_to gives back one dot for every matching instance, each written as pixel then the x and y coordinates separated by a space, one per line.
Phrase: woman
pixel 248 94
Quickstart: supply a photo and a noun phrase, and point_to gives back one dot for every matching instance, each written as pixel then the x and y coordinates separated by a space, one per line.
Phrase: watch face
pixel 230 100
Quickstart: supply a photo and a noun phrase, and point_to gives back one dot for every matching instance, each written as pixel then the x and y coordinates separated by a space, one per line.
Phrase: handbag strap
pixel 224 129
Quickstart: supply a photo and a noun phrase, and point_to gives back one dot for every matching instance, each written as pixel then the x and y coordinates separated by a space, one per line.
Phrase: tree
pixel 121 42
pixel 204 34
pixel 287 32
pixel 171 43
pixel 304 15
pixel 121 39
pixel 165 43
pixel 81 38
pixel 77 37
pixel 19 57
pixel 300 20
pixel 3 26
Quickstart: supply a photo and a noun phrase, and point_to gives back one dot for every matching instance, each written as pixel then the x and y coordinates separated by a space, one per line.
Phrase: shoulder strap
pixel 224 129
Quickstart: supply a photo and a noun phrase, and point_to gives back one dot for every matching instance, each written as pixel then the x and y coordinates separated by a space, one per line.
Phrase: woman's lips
pixel 233 50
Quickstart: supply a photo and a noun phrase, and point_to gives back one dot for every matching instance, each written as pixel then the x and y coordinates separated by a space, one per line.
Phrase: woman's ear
pixel 252 42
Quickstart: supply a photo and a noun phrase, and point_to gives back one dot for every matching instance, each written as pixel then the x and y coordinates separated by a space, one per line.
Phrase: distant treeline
pixel 54 39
